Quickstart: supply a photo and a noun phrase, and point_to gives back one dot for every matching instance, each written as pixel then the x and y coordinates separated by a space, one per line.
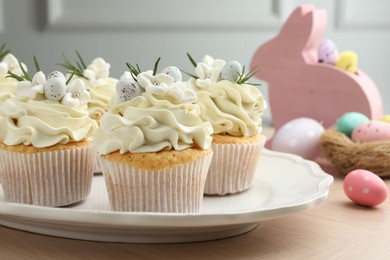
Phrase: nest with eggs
pixel 348 155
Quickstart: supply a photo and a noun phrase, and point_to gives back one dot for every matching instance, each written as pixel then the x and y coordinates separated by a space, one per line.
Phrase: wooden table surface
pixel 335 229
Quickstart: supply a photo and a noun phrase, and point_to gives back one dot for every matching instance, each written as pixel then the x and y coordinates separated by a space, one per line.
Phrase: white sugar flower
pixel 147 80
pixel 208 70
pixel 76 95
pixel 11 63
pixel 31 88
pixel 97 72
pixel 177 93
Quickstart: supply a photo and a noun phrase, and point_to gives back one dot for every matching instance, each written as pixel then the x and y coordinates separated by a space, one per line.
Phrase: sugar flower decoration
pixel 31 88
pixel 11 63
pixel 208 71
pixel 76 95
pixel 163 85
pixel 97 72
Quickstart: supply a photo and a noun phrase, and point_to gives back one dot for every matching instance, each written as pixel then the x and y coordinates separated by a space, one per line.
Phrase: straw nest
pixel 348 155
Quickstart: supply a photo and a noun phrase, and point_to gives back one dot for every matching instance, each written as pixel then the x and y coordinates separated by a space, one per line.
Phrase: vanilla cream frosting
pixel 162 118
pixel 43 123
pixel 101 96
pixel 100 86
pixel 231 108
pixel 7 88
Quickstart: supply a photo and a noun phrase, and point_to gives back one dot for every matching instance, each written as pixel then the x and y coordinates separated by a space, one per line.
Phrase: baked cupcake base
pixel 54 176
pixel 234 163
pixel 167 181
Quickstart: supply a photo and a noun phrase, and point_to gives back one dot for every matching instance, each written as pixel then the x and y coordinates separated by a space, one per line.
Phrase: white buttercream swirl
pixel 101 87
pixel 7 88
pixel 231 108
pixel 150 124
pixel 43 123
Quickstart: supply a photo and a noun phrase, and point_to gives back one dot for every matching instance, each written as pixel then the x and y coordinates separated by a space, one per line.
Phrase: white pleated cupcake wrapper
pixel 56 178
pixel 178 189
pixel 233 167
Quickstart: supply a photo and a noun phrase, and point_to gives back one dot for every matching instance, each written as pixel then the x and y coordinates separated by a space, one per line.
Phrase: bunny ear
pixel 304 30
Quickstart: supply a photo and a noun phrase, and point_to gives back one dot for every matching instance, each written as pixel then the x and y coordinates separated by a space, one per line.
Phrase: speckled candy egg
pixel 385 118
pixel 300 136
pixel 365 188
pixel 349 121
pixel 231 71
pixel 174 72
pixel 328 52
pixel 371 131
pixel 56 74
pixel 127 89
pixel 55 88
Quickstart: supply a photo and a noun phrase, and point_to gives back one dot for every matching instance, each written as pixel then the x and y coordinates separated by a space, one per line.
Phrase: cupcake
pixel 234 108
pixel 8 62
pixel 101 87
pixel 96 78
pixel 154 148
pixel 45 146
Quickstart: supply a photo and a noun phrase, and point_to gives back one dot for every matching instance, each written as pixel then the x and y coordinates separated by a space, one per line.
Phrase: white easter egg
pixel 174 72
pixel 127 89
pixel 365 188
pixel 231 71
pixel 300 136
pixel 56 74
pixel 55 88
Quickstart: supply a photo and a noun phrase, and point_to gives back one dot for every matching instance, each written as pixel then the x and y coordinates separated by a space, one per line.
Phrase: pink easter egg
pixel 371 131
pixel 300 136
pixel 365 188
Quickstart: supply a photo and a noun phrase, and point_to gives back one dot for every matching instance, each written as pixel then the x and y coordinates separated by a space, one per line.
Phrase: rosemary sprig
pixel 77 66
pixel 134 71
pixel 25 76
pixel 192 60
pixel 71 76
pixel 3 52
pixel 13 75
pixel 189 74
pixel 156 66
pixel 37 67
pixel 244 78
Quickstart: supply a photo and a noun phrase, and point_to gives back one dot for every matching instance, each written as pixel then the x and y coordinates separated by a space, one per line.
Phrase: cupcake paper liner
pixel 233 167
pixel 55 178
pixel 177 189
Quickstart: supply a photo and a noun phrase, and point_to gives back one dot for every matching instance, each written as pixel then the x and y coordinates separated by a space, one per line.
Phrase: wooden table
pixel 336 229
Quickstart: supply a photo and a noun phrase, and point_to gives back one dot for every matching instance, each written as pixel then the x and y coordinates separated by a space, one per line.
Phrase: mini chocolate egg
pixel 56 74
pixel 174 72
pixel 231 71
pixel 300 136
pixel 127 89
pixel 328 52
pixel 55 88
pixel 365 188
pixel 385 118
pixel 371 131
pixel 348 61
pixel 349 121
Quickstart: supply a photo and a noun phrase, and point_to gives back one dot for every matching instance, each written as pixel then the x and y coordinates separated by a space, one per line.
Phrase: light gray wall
pixel 121 31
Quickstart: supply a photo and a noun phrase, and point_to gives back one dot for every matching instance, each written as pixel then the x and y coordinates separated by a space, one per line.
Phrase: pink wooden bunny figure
pixel 300 86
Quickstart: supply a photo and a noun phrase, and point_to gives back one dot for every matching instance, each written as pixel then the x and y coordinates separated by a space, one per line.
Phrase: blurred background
pixel 141 31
